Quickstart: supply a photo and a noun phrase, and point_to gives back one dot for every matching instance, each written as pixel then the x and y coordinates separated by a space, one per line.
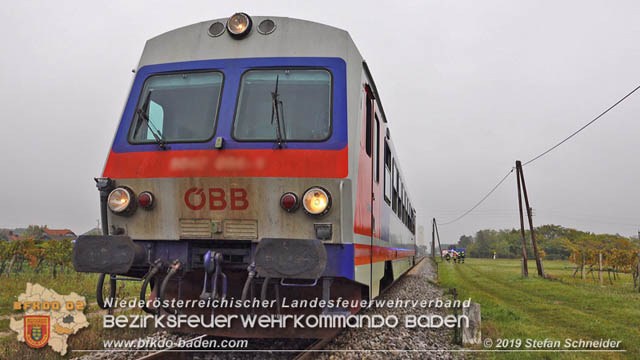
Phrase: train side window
pixel 402 207
pixel 406 213
pixel 394 191
pixel 397 190
pixel 400 198
pixel 387 173
pixel 376 152
pixel 404 210
pixel 368 125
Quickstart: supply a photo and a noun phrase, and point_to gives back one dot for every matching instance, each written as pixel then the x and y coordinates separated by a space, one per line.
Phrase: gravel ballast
pixel 400 342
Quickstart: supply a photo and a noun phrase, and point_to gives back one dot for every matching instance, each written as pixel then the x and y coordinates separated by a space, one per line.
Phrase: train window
pixel 303 108
pixel 400 197
pixel 404 209
pixel 401 205
pixel 367 122
pixel 397 195
pixel 387 173
pixel 376 152
pixel 180 108
pixel 394 191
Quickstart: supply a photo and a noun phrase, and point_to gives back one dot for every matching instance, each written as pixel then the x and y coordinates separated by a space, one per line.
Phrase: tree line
pixel 555 242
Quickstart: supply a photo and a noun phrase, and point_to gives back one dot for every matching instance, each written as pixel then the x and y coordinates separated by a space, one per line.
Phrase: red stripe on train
pixel 229 163
pixel 362 253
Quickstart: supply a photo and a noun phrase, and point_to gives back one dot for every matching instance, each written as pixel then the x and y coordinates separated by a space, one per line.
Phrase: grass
pixel 87 338
pixel 536 308
pixel 65 283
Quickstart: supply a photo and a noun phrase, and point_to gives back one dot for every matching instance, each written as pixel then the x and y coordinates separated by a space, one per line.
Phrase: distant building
pixel 58 234
pixel 9 235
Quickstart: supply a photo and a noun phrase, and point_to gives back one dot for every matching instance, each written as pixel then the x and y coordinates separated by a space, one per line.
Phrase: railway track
pixel 296 349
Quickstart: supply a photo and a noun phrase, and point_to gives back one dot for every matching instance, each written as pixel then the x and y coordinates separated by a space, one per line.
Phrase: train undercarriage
pixel 274 271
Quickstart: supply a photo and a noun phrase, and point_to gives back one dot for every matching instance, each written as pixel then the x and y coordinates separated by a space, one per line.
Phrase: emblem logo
pixel 36 330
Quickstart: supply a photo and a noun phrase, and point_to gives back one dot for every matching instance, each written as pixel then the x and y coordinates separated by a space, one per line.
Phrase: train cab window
pixel 302 112
pixel 179 108
pixel 387 173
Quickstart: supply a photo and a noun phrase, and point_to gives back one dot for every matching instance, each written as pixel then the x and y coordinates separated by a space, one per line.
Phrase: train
pixel 253 160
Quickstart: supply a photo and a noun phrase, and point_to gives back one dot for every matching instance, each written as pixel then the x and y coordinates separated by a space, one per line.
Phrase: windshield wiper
pixel 276 106
pixel 143 113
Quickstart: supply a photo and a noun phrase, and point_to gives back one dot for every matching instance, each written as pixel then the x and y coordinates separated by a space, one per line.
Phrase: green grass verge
pixel 88 338
pixel 65 283
pixel 535 308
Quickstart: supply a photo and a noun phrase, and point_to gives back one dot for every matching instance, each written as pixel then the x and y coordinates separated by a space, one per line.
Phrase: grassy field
pixel 82 284
pixel 88 338
pixel 65 283
pixel 536 308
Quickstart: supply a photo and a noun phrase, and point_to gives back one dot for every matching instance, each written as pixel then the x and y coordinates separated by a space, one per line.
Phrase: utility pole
pixel 525 267
pixel 526 202
pixel 433 240
pixel 435 226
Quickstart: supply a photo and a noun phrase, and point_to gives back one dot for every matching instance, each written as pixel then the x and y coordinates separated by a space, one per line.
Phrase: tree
pixel 58 252
pixel 465 241
pixel 34 232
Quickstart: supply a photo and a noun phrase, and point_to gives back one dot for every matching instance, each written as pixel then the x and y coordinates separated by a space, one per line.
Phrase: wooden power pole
pixel 525 267
pixel 433 240
pixel 520 175
pixel 435 226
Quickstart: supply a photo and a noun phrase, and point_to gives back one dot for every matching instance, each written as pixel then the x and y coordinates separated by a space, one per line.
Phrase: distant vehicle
pixel 457 255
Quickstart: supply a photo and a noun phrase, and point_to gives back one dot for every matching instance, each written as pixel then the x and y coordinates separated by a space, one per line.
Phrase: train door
pixel 372 147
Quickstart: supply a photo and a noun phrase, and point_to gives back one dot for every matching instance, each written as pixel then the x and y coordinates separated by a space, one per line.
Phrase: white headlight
pixel 120 200
pixel 239 25
pixel 316 201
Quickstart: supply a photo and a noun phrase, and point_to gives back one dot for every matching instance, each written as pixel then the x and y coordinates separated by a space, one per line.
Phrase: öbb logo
pixel 196 199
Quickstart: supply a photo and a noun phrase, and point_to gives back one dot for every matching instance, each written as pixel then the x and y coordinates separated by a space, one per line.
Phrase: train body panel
pixel 208 208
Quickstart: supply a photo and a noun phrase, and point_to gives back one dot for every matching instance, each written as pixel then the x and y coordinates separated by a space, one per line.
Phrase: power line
pixel 541 155
pixel 481 200
pixel 582 128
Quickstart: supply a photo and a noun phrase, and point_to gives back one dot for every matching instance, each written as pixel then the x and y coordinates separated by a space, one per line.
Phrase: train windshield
pixel 303 105
pixel 180 108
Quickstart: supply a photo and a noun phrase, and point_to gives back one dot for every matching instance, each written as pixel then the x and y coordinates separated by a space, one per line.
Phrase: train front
pixel 228 174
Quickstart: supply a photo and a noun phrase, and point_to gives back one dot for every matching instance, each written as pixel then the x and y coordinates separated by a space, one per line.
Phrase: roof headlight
pixel 120 201
pixel 316 201
pixel 239 25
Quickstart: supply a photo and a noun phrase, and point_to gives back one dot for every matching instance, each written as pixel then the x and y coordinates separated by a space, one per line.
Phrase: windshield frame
pixel 135 118
pixel 286 140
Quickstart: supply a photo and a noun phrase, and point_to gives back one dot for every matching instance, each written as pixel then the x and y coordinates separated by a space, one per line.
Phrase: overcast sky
pixel 468 88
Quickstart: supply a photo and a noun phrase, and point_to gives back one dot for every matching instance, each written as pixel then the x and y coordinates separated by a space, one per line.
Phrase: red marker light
pixel 289 202
pixel 145 199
